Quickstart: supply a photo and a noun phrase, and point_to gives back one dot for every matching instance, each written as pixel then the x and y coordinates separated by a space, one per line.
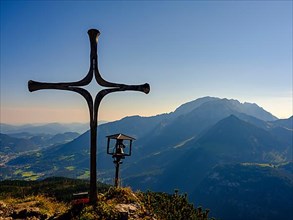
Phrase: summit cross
pixel 93 105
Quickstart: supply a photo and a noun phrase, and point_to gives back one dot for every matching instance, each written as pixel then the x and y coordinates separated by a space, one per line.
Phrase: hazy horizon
pixel 185 50
pixel 103 121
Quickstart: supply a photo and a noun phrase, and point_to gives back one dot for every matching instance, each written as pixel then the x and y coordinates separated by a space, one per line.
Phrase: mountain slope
pixel 247 191
pixel 197 117
pixel 242 141
pixel 231 140
pixel 15 145
pixel 286 123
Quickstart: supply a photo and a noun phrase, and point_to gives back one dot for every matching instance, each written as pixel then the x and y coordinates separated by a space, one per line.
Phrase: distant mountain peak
pixel 190 106
pixel 247 108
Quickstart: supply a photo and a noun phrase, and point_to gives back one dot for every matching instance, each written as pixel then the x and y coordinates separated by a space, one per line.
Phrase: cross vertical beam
pixel 93 105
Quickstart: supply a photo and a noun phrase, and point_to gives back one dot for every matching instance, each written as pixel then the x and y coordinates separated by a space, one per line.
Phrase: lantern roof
pixel 120 137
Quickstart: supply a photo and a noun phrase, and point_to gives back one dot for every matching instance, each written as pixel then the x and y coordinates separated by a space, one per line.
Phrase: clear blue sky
pixel 184 50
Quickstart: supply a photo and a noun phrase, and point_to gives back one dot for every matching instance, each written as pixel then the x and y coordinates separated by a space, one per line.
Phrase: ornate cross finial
pixel 92 104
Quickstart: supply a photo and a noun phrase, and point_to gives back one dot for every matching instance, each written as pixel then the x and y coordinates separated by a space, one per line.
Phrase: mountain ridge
pixel 49 128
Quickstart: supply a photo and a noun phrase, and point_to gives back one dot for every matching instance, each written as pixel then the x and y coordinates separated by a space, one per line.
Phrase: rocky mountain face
pixel 181 150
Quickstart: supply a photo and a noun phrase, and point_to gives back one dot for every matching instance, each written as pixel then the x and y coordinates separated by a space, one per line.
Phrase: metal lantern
pixel 119 146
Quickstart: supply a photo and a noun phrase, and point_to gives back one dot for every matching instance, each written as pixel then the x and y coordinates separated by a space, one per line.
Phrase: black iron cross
pixel 93 105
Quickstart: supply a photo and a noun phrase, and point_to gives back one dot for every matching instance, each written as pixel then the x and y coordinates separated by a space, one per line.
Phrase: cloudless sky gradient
pixel 185 50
